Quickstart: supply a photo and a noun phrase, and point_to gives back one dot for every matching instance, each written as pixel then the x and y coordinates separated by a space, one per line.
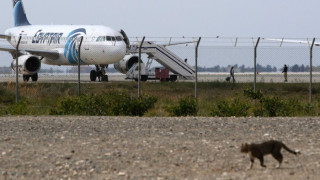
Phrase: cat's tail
pixel 289 150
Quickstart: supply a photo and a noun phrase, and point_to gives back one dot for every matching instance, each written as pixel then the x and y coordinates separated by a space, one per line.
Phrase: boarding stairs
pixel 166 58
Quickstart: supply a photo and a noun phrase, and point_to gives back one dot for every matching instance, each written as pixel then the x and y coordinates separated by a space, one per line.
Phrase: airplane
pixel 58 45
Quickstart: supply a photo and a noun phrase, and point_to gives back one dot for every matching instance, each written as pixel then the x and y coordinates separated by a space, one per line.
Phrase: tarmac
pixel 202 77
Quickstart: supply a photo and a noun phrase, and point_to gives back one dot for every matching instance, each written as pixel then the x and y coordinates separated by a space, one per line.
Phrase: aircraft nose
pixel 120 51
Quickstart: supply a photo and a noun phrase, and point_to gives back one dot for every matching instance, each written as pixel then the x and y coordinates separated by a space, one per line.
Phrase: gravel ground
pixel 68 147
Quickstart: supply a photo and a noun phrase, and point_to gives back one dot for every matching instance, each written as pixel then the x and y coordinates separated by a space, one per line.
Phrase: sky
pixel 176 18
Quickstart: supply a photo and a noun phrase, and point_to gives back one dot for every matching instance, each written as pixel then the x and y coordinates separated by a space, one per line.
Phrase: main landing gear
pixel 33 77
pixel 100 72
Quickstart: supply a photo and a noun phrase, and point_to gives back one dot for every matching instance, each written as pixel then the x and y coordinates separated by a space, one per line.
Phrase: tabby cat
pixel 269 147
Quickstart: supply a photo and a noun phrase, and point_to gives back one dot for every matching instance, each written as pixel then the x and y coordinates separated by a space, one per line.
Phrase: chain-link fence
pixel 58 67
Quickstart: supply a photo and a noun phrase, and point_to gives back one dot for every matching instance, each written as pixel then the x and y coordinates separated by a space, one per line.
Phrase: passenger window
pixel 113 38
pixel 108 38
pixel 119 38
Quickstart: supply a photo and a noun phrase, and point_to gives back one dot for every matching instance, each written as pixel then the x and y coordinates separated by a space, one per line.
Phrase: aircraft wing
pixel 9 49
pixel 5 46
pixel 292 41
pixel 50 54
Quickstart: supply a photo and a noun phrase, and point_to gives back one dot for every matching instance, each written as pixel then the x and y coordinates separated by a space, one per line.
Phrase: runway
pixel 202 77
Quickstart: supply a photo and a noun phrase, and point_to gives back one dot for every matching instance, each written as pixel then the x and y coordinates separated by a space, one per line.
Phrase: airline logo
pixel 71 50
pixel 46 37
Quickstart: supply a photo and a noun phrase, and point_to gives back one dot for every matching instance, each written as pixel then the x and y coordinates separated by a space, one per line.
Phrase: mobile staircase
pixel 166 58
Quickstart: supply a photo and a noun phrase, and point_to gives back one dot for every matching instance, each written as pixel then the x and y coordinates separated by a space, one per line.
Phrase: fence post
pixel 79 57
pixel 311 52
pixel 196 83
pixel 139 67
pixel 17 69
pixel 255 65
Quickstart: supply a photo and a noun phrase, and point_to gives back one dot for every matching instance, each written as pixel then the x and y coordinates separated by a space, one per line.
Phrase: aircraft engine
pixel 27 64
pixel 126 63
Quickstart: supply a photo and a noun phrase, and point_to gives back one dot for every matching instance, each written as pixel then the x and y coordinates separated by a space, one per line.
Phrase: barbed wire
pixel 205 41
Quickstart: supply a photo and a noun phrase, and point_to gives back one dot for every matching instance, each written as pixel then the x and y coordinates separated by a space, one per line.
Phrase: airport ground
pixel 71 147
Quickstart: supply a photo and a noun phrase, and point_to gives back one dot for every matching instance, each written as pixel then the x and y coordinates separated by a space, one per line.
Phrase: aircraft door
pixel 126 39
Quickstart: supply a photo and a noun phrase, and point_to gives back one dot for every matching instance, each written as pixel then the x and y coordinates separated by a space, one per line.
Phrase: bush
pixel 186 107
pixel 257 97
pixel 309 109
pixel 273 106
pixel 277 107
pixel 249 93
pixel 20 108
pixel 108 104
pixel 234 108
pixel 291 107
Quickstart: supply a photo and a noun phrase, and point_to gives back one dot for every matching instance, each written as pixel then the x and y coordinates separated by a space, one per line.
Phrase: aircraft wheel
pixel 93 75
pixel 173 78
pixel 104 78
pixel 144 77
pixel 26 78
pixel 34 77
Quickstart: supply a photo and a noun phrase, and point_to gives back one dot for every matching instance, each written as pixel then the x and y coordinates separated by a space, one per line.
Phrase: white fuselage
pixel 101 45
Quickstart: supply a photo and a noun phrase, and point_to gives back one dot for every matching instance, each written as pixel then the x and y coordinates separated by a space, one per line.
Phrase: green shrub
pixel 291 107
pixel 228 109
pixel 258 98
pixel 249 93
pixel 277 107
pixel 272 106
pixel 309 109
pixel 108 104
pixel 186 107
pixel 20 108
pixel 123 104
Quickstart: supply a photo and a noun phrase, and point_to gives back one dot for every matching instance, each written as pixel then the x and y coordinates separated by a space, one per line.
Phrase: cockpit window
pixel 109 38
pixel 119 38
pixel 101 38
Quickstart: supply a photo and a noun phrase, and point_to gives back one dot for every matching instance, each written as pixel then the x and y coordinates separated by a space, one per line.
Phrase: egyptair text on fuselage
pixel 46 37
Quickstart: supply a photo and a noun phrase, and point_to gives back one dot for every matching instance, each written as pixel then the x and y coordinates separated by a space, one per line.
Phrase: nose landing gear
pixel 100 72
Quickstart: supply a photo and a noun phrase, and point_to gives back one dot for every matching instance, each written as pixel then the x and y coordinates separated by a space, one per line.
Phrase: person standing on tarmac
pixel 285 71
pixel 232 74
